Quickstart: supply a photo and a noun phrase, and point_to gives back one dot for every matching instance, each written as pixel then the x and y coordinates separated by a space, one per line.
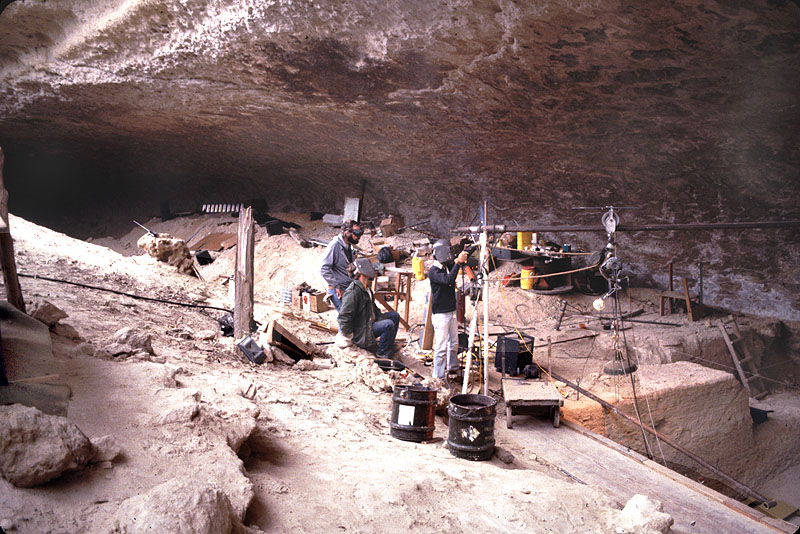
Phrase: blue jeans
pixel 385 330
pixel 337 302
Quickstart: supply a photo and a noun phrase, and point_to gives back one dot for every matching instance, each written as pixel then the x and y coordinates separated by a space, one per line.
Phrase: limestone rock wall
pixel 685 111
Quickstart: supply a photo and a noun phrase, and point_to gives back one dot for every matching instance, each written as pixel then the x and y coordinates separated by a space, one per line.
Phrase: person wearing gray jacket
pixel 338 256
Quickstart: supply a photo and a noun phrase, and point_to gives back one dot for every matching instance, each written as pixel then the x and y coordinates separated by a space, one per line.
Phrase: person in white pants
pixel 443 308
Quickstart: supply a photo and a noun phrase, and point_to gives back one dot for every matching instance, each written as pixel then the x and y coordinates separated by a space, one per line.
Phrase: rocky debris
pixel 168 379
pixel 281 356
pixel 177 406
pixel 443 393
pixel 237 432
pixel 84 349
pixel 644 515
pixel 36 448
pixel 177 507
pixel 127 342
pixel 168 249
pixel 67 331
pixel 106 449
pixel 51 315
pixel 206 335
pixel 373 376
pixel 313 365
pixel 137 340
pixel 7 524
pixel 247 389
pixel 48 313
pixel 503 455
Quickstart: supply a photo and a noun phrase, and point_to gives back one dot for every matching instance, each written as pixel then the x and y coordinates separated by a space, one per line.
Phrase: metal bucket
pixel 413 413
pixel 471 433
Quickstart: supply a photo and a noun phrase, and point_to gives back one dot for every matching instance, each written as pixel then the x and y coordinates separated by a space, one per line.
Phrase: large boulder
pixel 178 507
pixel 36 448
pixel 167 249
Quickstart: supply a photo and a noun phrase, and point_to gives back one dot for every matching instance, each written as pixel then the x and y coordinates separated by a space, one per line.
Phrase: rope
pixel 617 307
pixel 518 277
pixel 131 295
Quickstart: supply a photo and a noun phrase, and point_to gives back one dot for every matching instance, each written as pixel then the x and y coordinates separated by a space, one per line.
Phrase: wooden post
pixel 13 290
pixel 243 277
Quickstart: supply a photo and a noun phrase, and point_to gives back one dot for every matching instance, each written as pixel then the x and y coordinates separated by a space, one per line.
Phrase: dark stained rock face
pixel 685 111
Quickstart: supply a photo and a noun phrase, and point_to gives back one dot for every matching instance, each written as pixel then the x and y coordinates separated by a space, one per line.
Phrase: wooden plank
pixel 538 392
pixel 216 241
pixel 35 379
pixel 7 262
pixel 291 338
pixel 52 399
pixel 695 509
pixel 388 307
pixel 243 278
pixel 427 334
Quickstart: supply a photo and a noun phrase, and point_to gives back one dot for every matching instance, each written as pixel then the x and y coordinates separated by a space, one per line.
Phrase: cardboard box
pixel 314 302
pixel 297 300
pixel 390 225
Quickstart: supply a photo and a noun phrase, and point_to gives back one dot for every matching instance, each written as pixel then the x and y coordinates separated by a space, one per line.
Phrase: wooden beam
pixel 243 277
pixel 7 262
pixel 388 307
pixel 276 328
pixel 427 334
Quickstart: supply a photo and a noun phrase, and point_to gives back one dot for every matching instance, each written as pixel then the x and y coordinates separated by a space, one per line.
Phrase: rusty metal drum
pixel 471 434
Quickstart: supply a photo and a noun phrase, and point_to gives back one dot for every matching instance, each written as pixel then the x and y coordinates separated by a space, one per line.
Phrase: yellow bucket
pixel 418 267
pixel 526 278
pixel 524 240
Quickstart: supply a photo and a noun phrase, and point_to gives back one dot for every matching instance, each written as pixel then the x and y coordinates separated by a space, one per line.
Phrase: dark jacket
pixel 443 288
pixel 357 314
pixel 338 256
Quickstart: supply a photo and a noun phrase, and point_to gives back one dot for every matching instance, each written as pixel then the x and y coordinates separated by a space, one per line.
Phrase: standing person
pixel 338 256
pixel 443 308
pixel 360 321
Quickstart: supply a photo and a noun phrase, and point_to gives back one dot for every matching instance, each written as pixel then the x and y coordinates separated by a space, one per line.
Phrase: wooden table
pixel 401 292
pixel 528 392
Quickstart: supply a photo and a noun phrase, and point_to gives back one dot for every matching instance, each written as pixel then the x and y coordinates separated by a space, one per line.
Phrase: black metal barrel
pixel 471 425
pixel 413 413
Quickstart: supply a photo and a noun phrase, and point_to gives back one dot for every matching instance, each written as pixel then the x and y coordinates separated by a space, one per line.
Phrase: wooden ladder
pixel 745 365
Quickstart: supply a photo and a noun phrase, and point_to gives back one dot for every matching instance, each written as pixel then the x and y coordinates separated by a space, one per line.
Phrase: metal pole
pixel 730 480
pixel 485 272
pixel 500 228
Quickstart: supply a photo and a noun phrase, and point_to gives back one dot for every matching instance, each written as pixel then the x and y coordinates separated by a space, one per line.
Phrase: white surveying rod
pixel 484 243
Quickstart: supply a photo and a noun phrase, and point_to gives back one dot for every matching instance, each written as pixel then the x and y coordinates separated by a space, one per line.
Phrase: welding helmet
pixel 442 252
pixel 364 266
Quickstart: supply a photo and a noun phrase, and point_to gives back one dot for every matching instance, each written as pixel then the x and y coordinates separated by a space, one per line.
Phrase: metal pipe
pixel 500 228
pixel 730 480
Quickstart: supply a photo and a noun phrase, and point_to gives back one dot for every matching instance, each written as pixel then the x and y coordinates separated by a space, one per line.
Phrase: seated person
pixel 360 321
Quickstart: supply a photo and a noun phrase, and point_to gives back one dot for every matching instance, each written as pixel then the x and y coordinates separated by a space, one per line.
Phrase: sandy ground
pixel 317 451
